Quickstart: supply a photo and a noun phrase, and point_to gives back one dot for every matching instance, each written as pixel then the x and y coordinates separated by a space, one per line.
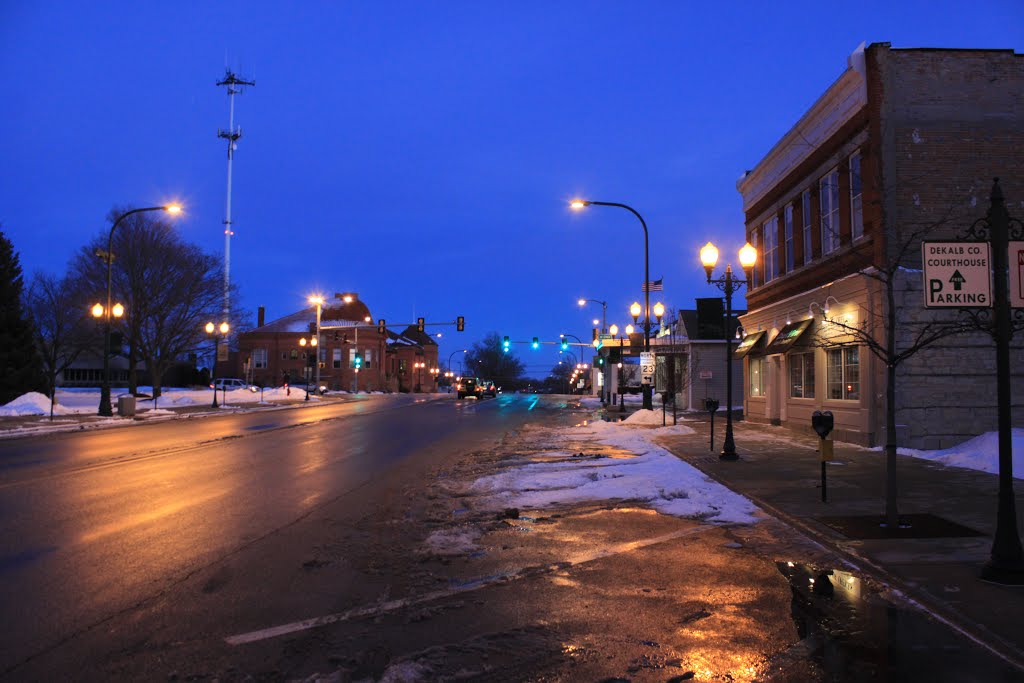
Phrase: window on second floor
pixel 805 206
pixel 828 196
pixel 771 248
pixel 336 358
pixel 259 359
pixel 856 198
pixel 788 236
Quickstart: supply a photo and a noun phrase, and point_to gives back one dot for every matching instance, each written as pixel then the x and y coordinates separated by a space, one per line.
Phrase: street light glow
pixel 709 255
pixel 97 310
pixel 224 328
pixel 173 209
pixel 630 329
pixel 634 309
pixel 316 300
pixel 117 310
pixel 614 330
pixel 659 310
pixel 578 204
pixel 582 302
pixel 748 256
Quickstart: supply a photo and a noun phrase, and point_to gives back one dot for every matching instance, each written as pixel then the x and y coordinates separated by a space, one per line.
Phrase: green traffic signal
pixel 565 344
pixel 536 343
pixel 504 344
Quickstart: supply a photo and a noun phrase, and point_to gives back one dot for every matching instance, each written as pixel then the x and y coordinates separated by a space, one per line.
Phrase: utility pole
pixel 234 86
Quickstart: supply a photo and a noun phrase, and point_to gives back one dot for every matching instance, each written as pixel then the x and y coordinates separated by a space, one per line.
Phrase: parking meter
pixel 822 422
pixel 711 405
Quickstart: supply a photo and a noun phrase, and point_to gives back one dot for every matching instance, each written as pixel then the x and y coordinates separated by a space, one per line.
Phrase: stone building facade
pixel 902 147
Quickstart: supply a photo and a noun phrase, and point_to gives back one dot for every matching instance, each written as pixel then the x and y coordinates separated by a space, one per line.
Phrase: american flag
pixel 655 285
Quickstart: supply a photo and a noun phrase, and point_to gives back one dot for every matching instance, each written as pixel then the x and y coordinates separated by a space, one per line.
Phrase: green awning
pixel 749 343
pixel 788 336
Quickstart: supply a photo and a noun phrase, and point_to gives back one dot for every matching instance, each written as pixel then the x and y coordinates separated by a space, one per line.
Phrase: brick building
pixel 346 329
pixel 903 145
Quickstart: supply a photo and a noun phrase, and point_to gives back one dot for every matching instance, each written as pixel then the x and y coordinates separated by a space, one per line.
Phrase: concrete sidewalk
pixel 780 471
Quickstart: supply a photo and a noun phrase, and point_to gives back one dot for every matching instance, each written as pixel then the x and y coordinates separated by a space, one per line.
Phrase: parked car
pixel 230 384
pixel 469 386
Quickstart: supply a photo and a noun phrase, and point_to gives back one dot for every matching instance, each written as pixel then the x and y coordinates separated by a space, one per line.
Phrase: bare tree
pixel 900 327
pixel 62 327
pixel 169 288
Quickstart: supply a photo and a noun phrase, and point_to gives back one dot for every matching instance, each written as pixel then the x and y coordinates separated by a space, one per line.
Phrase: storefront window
pixel 844 373
pixel 801 375
pixel 756 375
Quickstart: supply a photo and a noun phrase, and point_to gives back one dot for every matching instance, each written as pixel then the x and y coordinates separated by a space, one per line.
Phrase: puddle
pixel 854 634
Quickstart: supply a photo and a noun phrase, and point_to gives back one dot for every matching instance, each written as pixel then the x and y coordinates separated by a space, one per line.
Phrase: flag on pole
pixel 654 285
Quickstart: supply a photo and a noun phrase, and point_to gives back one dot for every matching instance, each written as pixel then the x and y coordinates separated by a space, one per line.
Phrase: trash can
pixel 126 406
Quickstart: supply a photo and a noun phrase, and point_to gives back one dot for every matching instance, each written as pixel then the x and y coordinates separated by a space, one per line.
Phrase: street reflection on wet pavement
pixel 851 631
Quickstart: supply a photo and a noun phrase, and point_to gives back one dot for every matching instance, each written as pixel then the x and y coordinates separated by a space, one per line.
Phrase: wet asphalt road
pixel 93 525
pixel 285 545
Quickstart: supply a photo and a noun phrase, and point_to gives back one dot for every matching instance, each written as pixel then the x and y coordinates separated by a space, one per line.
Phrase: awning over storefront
pixel 752 341
pixel 788 336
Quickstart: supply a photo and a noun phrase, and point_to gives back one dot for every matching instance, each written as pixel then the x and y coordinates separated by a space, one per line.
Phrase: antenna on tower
pixel 235 86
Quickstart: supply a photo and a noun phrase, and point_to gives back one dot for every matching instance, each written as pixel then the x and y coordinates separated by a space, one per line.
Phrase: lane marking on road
pixel 463 587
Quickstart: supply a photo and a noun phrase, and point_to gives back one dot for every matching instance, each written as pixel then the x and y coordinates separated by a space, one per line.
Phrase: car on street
pixel 469 386
pixel 490 389
pixel 231 384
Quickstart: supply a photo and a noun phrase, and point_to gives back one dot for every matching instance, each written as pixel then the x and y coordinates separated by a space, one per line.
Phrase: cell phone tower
pixel 235 85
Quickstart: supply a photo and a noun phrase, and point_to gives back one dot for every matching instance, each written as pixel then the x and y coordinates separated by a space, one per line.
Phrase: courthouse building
pixel 903 146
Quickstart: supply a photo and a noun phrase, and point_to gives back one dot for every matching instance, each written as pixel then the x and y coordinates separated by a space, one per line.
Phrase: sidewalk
pixel 780 471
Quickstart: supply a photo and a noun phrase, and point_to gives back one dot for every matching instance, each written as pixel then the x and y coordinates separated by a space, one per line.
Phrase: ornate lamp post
pixel 313 341
pixel 729 285
pixel 213 331
pixel 319 302
pixel 104 409
pixel 579 204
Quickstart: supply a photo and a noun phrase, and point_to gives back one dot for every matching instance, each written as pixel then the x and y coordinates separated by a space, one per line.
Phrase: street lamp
pixel 450 373
pixel 729 285
pixel 213 330
pixel 579 204
pixel 104 409
pixel 314 342
pixel 319 302
pixel 604 312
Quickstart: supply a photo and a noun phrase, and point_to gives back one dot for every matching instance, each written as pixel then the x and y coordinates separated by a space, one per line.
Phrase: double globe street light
pixel 216 331
pixel 729 285
pixel 104 409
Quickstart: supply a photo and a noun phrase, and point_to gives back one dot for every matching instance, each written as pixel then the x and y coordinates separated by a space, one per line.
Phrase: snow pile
pixel 645 417
pixel 34 403
pixel 654 477
pixel 980 453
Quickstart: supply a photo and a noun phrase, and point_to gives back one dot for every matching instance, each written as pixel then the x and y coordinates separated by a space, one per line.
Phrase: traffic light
pixel 420 324
pixel 536 343
pixel 358 361
pixel 505 344
pixel 381 327
pixel 600 360
pixel 565 344
pixel 460 324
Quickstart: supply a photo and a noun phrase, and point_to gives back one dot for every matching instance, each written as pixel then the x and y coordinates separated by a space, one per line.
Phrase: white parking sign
pixel 957 274
pixel 646 367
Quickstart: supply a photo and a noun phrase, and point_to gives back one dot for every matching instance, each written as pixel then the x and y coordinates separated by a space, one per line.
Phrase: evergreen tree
pixel 20 369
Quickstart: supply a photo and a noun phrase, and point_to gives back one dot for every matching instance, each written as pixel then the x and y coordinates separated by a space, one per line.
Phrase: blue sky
pixel 423 154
